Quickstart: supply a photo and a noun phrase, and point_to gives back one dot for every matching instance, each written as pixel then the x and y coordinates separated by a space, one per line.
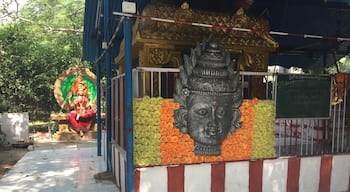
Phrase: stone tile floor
pixel 48 168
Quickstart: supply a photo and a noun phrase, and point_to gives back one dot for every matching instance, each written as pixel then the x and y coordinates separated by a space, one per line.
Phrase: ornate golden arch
pixel 63 84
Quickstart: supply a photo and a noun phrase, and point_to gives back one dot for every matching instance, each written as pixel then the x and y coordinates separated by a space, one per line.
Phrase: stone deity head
pixel 209 93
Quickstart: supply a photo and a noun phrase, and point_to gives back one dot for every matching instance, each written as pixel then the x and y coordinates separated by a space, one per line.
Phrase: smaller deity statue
pixel 209 94
pixel 81 104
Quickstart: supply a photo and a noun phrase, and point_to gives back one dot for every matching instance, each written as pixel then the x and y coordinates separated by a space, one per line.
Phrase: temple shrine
pixel 75 92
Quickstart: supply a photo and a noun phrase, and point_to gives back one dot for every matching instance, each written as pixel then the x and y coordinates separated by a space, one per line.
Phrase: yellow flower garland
pixel 146 131
pixel 264 122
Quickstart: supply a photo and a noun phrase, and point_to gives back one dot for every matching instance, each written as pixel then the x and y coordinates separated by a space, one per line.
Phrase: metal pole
pixel 333 127
pixel 129 106
pixel 108 84
pixel 343 123
pixel 98 98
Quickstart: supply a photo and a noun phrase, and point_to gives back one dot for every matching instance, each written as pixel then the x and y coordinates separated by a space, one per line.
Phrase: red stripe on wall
pixel 293 174
pixel 255 175
pixel 325 174
pixel 137 180
pixel 176 178
pixel 218 177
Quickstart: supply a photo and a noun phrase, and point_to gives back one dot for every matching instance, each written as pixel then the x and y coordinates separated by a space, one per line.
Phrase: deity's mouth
pixel 213 131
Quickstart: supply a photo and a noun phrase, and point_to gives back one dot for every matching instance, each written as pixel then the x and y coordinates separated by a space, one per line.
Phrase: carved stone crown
pixel 208 71
pixel 212 73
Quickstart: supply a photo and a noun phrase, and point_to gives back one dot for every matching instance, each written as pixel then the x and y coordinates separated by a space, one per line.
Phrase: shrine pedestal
pixel 65 131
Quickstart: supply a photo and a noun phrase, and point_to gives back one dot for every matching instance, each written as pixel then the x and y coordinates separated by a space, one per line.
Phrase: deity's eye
pixel 220 112
pixel 202 112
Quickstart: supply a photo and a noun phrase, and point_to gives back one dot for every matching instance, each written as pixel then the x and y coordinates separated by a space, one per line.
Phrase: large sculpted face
pixel 209 118
pixel 209 95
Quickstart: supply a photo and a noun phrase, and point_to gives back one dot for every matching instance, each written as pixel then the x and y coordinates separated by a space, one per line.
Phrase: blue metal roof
pixel 93 27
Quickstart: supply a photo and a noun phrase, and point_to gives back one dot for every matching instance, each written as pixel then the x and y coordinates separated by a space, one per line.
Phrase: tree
pixel 42 40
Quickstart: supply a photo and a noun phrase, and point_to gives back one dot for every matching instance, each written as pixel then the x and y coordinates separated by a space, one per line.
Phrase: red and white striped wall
pixel 307 174
pixel 119 166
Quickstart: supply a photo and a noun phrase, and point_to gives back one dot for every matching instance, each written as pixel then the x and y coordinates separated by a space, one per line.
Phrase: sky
pixel 12 8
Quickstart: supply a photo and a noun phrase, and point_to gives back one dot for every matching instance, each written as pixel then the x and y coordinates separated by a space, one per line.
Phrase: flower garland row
pixel 146 131
pixel 158 142
pixel 264 122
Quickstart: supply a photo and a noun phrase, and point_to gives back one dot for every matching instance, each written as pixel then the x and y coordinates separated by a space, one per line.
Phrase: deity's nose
pixel 211 123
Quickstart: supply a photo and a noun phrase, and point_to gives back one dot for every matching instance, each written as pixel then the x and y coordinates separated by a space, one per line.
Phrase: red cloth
pixel 84 121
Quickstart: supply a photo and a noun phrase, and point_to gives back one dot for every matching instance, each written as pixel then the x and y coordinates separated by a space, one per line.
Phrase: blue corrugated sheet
pixel 93 27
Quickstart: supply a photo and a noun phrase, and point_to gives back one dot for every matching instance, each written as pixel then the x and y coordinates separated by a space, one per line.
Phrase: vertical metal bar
pixel 329 135
pixel 151 84
pixel 144 83
pixel 166 85
pixel 312 136
pixel 317 135
pixel 333 128
pixel 296 137
pixel 273 87
pixel 290 136
pixel 112 109
pixel 129 106
pixel 98 105
pixel 174 81
pixel 279 138
pixel 106 37
pixel 135 81
pixel 338 126
pixel 159 84
pixel 243 86
pixel 326 136
pixel 266 87
pixel 343 124
pixel 302 136
pixel 275 77
pixel 249 87
pixel 119 109
pixel 307 138
pixel 285 136
pixel 122 113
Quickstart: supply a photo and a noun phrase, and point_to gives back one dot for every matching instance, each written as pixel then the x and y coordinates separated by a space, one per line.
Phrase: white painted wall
pixel 15 126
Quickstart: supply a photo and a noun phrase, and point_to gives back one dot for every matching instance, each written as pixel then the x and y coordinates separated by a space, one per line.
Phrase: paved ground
pixel 59 167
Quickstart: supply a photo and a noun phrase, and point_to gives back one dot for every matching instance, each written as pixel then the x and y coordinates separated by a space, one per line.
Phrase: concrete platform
pixel 69 168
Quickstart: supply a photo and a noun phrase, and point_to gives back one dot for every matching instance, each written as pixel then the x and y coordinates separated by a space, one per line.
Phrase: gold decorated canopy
pixel 157 43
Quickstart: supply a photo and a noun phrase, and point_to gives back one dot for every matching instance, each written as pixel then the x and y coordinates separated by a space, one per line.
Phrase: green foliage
pixel 34 51
pixel 54 127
